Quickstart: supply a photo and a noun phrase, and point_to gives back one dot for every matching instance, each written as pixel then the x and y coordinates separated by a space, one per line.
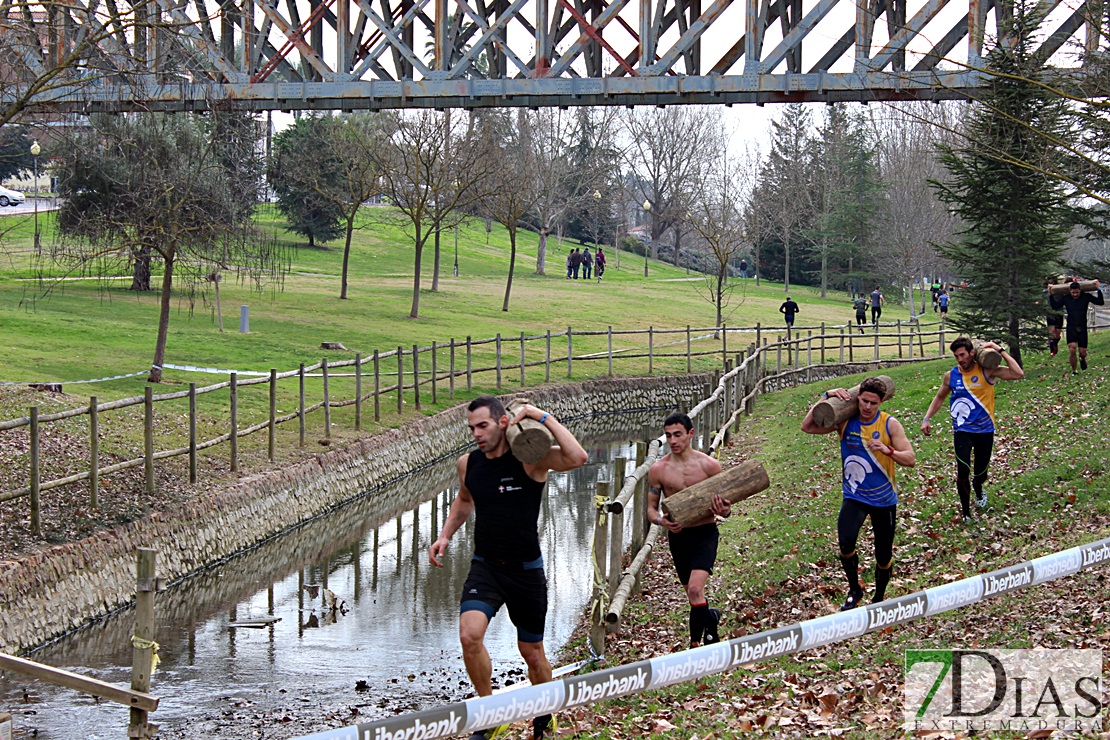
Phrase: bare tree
pixel 571 154
pixel 717 217
pixel 428 176
pixel 515 183
pixel 910 219
pixel 154 182
pixel 669 149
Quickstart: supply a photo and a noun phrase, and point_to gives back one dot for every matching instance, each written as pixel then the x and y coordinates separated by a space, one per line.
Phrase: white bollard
pixel 244 319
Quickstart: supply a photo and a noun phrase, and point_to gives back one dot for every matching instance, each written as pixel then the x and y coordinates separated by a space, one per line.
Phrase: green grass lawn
pixel 88 328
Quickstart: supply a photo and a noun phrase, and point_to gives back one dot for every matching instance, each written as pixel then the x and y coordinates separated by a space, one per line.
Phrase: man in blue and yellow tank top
pixel 972 408
pixel 871 444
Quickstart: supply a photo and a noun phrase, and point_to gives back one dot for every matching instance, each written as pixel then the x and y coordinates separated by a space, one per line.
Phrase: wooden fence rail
pixel 424 372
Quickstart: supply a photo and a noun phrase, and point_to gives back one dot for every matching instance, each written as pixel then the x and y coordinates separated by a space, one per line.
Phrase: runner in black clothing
pixel 861 311
pixel 1075 305
pixel 505 494
pixel 1055 321
pixel 788 309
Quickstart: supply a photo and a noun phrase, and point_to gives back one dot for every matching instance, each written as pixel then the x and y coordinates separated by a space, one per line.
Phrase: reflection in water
pixel 395 633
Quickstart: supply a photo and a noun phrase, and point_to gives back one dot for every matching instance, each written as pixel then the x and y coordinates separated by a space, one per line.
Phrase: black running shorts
pixel 523 591
pixel 1077 336
pixel 694 548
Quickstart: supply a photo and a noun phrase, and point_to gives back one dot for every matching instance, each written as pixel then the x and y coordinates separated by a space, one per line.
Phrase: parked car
pixel 10 197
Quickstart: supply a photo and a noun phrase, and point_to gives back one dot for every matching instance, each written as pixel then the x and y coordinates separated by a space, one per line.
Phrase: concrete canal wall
pixel 54 591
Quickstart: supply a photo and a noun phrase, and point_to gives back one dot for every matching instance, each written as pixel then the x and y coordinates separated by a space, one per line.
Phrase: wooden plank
pixel 77 682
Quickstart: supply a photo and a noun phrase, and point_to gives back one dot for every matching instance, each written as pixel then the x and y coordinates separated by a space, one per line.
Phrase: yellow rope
pixel 151 645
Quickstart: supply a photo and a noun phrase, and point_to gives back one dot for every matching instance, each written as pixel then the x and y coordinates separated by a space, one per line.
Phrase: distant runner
pixel 1075 305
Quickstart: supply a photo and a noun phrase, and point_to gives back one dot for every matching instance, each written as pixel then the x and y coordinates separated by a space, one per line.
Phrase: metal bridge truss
pixel 175 55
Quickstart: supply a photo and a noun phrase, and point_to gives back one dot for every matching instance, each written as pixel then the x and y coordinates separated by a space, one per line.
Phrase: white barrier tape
pixel 76 382
pixel 210 370
pixel 555 696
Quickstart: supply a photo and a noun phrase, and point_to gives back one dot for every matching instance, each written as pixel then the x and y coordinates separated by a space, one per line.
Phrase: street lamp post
pixel 647 210
pixel 35 150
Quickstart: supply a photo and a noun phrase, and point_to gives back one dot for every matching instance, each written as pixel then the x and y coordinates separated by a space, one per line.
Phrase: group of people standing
pixel 586 263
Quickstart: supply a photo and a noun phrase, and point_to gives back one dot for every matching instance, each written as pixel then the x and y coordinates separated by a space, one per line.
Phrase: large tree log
pixel 1062 288
pixel 988 359
pixel 735 484
pixel 832 411
pixel 529 440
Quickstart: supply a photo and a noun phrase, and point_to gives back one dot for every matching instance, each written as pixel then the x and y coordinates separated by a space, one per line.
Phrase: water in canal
pixel 398 634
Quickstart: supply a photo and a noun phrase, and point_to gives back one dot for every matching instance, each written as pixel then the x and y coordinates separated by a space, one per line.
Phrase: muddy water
pixel 392 645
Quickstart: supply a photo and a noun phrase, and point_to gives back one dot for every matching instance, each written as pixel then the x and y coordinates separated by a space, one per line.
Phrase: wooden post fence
pixel 469 377
pixel 358 391
pixel 433 373
pixel 416 376
pixel 451 372
pixel 570 354
pixel 651 350
pixel 377 388
pixel 234 430
pixel 36 524
pixel 300 405
pixel 689 366
pixel 400 379
pixel 522 359
pixel 148 438
pixel 547 359
pixel 597 615
pixel 272 448
pixel 192 433
pixel 610 365
pixel 327 399
pixel 142 651
pixel 497 360
pixel 94 454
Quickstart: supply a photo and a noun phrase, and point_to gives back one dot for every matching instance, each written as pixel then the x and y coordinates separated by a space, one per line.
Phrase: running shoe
pixel 853 600
pixel 1083 363
pixel 491 733
pixel 711 635
pixel 544 726
pixel 981 501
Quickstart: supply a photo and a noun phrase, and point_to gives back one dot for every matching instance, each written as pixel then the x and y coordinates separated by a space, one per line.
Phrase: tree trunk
pixel 824 272
pixel 541 252
pixel 1015 332
pixel 414 313
pixel 722 281
pixel 347 255
pixel 163 320
pixel 140 276
pixel 512 266
pixel 311 241
pixel 435 262
pixel 786 272
pixel 678 247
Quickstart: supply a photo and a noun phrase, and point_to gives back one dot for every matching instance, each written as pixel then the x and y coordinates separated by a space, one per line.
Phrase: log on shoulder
pixel 832 411
pixel 734 484
pixel 1063 288
pixel 529 440
pixel 988 359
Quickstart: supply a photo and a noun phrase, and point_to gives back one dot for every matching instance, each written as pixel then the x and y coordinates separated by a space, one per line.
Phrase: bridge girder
pixel 181 55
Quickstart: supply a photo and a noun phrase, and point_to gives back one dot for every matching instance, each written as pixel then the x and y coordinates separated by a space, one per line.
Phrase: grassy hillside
pixel 1049 487
pixel 78 329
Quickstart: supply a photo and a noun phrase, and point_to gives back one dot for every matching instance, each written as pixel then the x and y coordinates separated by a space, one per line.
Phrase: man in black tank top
pixel 505 495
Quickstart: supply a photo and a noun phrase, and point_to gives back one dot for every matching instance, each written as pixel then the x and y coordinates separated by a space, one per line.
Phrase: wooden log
pixel 734 484
pixel 832 411
pixel 529 440
pixel 988 359
pixel 1062 288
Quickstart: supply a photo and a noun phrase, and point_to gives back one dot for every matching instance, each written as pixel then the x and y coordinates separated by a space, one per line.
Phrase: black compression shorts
pixel 1077 335
pixel 522 590
pixel 694 548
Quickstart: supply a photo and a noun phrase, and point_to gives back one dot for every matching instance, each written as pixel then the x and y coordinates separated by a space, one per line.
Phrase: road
pixel 27 208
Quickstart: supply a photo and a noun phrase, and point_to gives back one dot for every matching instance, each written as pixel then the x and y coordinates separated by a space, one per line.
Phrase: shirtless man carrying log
pixel 694 547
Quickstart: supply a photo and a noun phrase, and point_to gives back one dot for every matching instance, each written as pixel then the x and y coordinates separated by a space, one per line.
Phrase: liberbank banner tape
pixel 531 701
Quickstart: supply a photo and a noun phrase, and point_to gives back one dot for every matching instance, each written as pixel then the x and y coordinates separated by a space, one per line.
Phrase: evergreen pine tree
pixel 1016 216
